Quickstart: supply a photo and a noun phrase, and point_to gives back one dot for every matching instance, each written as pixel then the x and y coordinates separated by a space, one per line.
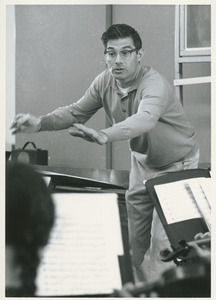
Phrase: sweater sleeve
pixel 77 112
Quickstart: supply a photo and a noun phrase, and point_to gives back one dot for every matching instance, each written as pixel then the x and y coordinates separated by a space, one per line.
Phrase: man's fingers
pixel 20 122
pixel 75 132
pixel 88 131
pixel 78 126
pixel 16 120
pixel 206 235
pixel 90 134
pixel 200 235
pixel 78 133
pixel 14 131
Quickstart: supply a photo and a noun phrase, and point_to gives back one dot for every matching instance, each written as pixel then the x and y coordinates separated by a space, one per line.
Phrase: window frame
pixel 184 50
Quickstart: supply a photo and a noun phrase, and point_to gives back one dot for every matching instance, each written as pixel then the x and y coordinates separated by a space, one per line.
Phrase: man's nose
pixel 118 58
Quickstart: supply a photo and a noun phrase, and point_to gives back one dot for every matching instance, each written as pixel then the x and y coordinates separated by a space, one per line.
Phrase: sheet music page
pixel 201 189
pixel 185 199
pixel 206 184
pixel 177 202
pixel 81 257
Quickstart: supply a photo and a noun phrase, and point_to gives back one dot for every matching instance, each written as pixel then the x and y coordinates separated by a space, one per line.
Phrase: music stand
pixel 184 230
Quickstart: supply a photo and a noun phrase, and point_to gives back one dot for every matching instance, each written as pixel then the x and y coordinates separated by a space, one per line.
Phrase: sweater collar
pixel 136 80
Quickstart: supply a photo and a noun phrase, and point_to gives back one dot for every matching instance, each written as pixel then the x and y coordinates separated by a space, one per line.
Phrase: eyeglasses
pixel 111 55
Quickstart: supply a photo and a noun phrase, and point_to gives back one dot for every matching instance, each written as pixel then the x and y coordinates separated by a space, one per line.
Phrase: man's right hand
pixel 25 123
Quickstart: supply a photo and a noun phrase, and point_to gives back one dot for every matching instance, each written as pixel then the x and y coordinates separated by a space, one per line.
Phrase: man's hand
pixel 200 236
pixel 203 252
pixel 25 123
pixel 88 134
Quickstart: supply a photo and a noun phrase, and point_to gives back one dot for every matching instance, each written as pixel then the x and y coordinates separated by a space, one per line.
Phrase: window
pixel 195 30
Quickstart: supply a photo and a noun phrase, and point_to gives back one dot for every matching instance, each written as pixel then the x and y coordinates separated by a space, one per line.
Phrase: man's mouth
pixel 118 70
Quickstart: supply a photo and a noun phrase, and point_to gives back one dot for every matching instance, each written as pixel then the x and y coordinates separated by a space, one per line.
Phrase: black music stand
pixel 184 230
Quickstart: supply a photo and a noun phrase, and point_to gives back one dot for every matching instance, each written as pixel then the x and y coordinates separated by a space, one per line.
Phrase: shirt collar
pixel 135 83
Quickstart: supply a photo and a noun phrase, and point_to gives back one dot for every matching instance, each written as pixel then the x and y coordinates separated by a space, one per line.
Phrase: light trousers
pixel 145 228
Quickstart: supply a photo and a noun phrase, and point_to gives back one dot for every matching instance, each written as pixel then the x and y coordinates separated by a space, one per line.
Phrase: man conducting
pixel 143 109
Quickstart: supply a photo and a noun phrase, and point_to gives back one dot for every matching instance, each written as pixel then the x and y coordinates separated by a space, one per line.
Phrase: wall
pixel 58 54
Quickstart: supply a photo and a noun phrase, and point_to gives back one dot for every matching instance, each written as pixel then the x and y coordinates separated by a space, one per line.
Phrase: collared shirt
pixel 149 116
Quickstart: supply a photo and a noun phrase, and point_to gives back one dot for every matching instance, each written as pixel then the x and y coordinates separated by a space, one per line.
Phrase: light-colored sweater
pixel 149 116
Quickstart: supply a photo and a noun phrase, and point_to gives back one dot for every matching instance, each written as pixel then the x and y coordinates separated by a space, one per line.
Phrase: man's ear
pixel 140 54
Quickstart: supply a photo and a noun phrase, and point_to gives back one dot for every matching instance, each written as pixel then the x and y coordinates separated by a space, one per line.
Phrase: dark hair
pixel 29 219
pixel 119 31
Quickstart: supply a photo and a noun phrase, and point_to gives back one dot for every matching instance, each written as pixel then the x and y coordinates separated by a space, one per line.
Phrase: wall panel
pixel 58 54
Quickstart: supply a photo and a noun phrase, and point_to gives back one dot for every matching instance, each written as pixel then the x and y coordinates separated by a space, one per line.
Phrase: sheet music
pixel 180 202
pixel 81 257
pixel 206 184
pixel 201 189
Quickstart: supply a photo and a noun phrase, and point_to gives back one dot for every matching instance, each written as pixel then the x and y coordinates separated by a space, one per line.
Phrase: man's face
pixel 123 68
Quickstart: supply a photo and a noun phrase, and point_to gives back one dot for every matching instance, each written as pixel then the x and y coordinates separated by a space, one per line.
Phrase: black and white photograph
pixel 108 154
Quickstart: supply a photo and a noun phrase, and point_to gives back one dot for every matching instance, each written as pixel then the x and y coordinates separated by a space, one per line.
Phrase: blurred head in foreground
pixel 29 220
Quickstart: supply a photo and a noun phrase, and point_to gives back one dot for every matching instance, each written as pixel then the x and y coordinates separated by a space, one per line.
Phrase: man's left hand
pixel 88 134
